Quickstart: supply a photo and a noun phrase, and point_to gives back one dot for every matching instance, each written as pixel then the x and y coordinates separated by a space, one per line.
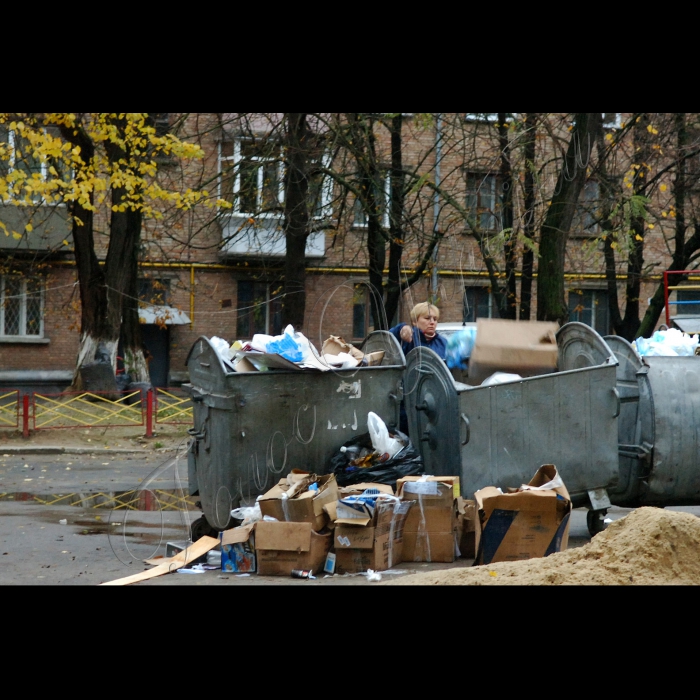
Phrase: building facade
pixel 219 271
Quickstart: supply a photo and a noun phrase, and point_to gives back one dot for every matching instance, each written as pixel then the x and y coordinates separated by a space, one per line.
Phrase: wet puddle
pixel 138 499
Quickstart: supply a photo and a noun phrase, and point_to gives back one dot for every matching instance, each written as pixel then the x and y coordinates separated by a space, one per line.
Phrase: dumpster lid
pixel 687 323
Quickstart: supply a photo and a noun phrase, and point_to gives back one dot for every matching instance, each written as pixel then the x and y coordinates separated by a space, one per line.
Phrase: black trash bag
pixel 406 462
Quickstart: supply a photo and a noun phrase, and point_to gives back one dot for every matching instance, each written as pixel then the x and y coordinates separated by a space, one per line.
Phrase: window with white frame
pixel 21 157
pixel 479 303
pixel 320 189
pixel 490 117
pixel 252 180
pixel 612 120
pixel 484 200
pixel 251 177
pixel 382 195
pixel 21 307
pixel 590 306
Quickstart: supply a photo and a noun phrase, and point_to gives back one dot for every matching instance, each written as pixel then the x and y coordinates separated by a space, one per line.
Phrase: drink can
pixel 302 573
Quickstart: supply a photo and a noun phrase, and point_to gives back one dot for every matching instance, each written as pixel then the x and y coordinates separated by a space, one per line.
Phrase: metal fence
pixel 36 411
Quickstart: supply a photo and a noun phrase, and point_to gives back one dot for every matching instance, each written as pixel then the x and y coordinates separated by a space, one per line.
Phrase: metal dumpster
pixel 500 435
pixel 252 428
pixel 659 440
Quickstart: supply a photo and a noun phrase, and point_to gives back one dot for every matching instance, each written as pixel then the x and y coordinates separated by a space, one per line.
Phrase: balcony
pixel 264 238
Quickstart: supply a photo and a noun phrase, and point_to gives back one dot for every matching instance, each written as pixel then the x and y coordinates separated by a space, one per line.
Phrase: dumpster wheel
pixel 201 527
pixel 595 520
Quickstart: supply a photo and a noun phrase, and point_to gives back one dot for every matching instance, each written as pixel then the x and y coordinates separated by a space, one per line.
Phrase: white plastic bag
pixel 382 442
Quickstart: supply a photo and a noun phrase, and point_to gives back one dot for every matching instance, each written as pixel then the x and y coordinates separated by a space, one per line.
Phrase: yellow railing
pixel 137 499
pixel 87 409
pixel 9 409
pixel 171 408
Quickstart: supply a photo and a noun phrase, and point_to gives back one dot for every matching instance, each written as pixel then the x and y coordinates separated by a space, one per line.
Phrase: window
pixel 251 177
pixel 21 158
pixel 362 321
pixel 590 306
pixel 484 201
pixel 21 307
pixel 259 309
pixel 321 191
pixel 382 198
pixel 684 303
pixel 490 117
pixel 586 218
pixel 154 291
pixel 479 303
pixel 612 120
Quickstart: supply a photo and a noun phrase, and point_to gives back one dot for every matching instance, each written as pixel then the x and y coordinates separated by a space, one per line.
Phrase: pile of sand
pixel 650 546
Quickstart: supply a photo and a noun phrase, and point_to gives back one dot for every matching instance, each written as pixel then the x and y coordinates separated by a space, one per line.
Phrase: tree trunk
pixel 551 299
pixel 91 277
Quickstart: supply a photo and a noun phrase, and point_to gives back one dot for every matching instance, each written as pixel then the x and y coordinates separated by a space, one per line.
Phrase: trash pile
pixel 291 350
pixel 308 525
pixel 671 342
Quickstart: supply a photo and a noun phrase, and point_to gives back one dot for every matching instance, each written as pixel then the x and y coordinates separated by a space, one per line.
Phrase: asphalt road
pixel 78 519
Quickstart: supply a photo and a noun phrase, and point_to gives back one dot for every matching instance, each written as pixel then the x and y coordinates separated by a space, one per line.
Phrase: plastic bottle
pixel 352 452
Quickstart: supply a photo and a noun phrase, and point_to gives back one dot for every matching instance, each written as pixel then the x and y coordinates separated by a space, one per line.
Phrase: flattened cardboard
pixel 356 489
pixel 524 524
pixel 281 547
pixel 527 348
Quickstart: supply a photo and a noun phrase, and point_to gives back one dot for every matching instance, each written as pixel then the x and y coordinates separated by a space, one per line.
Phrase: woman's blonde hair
pixel 424 309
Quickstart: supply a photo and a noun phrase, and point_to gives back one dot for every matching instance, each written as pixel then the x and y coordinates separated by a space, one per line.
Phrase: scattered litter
pixel 63 522
pixel 190 571
pixel 237 576
pixel 373 575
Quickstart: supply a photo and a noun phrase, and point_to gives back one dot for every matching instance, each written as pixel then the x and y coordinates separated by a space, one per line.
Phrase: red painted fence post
pixel 149 413
pixel 25 415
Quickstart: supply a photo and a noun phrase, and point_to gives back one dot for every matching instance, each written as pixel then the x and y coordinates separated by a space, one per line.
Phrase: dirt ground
pixel 649 546
pixel 165 438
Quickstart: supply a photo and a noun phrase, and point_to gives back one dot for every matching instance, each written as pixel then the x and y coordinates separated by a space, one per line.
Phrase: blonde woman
pixel 421 331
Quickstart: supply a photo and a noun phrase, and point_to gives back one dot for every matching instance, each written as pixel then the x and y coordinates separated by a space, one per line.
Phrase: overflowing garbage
pixel 671 342
pixel 291 350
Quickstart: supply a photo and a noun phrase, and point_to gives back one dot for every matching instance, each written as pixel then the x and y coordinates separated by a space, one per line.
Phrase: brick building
pixel 218 272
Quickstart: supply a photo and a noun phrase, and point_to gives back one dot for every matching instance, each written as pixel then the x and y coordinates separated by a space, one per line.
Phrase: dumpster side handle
pixel 468 432
pixel 616 394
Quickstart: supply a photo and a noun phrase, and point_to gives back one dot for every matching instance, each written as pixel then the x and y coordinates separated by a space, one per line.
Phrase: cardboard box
pixel 430 532
pixel 304 506
pixel 429 546
pixel 527 348
pixel 466 535
pixel 334 345
pixel 281 547
pixel 377 546
pixel 238 549
pixel 523 524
